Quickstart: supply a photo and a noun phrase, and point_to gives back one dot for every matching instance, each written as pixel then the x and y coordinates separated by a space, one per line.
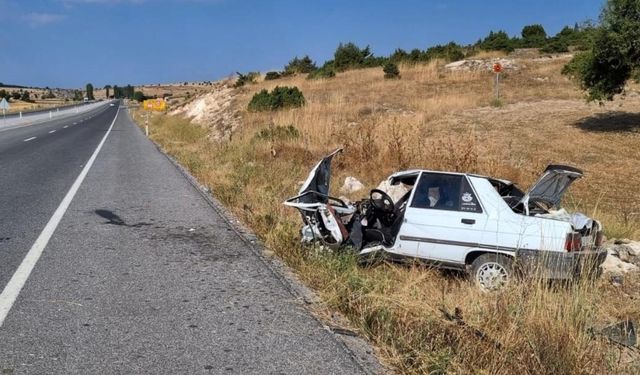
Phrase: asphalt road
pixel 140 274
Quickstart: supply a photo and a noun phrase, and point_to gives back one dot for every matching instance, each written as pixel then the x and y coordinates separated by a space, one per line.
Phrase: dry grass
pixel 438 120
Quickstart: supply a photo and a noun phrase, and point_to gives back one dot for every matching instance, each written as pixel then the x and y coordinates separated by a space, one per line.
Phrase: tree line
pixel 350 56
pixel 606 55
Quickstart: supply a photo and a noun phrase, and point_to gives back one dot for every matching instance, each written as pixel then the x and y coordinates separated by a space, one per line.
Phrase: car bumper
pixel 561 265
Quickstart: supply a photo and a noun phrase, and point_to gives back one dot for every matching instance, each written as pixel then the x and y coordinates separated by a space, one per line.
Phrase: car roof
pixel 410 172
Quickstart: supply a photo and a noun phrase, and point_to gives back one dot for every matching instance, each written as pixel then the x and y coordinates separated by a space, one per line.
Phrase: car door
pixel 445 218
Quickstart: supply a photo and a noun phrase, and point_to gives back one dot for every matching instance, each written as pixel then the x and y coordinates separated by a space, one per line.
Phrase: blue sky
pixel 67 43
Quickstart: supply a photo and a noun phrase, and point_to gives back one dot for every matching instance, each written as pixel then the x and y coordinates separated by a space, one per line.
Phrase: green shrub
pixel 272 75
pixel 450 52
pixel 533 36
pixel 555 45
pixel 322 73
pixel 277 133
pixel 391 70
pixel 286 97
pixel 303 65
pixel 25 97
pixel 577 65
pixel 399 55
pixel 139 96
pixel 260 101
pixel 280 97
pixel 243 79
pixel 635 75
pixel 350 56
pixel 496 41
pixel 496 102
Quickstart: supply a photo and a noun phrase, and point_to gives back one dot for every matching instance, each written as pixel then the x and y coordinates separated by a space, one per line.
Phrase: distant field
pixel 37 98
pixel 436 119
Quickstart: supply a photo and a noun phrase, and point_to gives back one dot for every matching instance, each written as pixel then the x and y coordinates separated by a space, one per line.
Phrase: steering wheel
pixel 381 201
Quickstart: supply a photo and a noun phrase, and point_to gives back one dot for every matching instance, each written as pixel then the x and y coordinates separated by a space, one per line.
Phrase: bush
pixel 399 55
pixel 496 41
pixel 139 96
pixel 614 51
pixel 303 65
pixel 25 97
pixel 450 52
pixel 272 75
pixel 260 101
pixel 278 133
pixel 533 36
pixel 635 75
pixel 496 102
pixel 350 56
pixel 280 97
pixel 243 79
pixel 322 73
pixel 555 45
pixel 391 70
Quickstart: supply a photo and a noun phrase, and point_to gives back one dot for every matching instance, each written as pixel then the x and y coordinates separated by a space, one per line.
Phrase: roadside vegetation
pixel 423 320
pixel 438 120
pixel 349 56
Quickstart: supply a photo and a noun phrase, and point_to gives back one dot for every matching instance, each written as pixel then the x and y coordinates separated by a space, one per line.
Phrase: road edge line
pixel 22 273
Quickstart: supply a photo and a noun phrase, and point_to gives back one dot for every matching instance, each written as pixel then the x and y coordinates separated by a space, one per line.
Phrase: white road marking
pixel 30 139
pixel 53 131
pixel 66 126
pixel 19 278
pixel 75 123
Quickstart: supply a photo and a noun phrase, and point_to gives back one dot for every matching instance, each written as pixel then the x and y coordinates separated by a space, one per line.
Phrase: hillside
pixel 440 119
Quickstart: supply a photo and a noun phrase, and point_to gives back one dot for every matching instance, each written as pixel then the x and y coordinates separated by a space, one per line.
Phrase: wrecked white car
pixel 482 225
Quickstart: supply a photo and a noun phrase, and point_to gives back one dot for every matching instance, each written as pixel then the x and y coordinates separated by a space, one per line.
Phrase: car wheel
pixel 492 271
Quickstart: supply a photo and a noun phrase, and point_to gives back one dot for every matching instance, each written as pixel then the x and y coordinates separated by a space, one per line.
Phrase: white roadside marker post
pixel 497 69
pixel 4 104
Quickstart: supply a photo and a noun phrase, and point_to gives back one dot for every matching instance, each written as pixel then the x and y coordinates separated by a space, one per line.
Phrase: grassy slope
pixel 437 120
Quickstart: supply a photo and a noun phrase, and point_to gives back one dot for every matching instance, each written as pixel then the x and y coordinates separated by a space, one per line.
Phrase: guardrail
pixel 48 114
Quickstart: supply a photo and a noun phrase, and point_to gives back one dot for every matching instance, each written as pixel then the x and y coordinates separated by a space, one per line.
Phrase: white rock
pixel 351 185
pixel 455 64
pixel 634 248
pixel 613 264
pixel 395 191
pixel 487 65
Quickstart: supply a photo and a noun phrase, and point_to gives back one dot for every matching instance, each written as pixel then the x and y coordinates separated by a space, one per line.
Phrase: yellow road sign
pixel 154 105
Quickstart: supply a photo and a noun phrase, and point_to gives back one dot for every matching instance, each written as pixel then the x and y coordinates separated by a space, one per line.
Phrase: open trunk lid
pixel 551 186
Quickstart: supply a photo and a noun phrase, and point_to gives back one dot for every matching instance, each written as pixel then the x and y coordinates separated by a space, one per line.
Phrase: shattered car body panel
pixel 453 220
pixel 321 213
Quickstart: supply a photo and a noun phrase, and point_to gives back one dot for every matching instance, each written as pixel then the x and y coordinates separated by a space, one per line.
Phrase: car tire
pixel 491 271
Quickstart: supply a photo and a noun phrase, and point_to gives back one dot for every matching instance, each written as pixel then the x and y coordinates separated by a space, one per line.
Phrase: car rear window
pixel 445 192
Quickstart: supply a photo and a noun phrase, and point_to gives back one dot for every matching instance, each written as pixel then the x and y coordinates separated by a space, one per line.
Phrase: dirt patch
pixel 214 110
